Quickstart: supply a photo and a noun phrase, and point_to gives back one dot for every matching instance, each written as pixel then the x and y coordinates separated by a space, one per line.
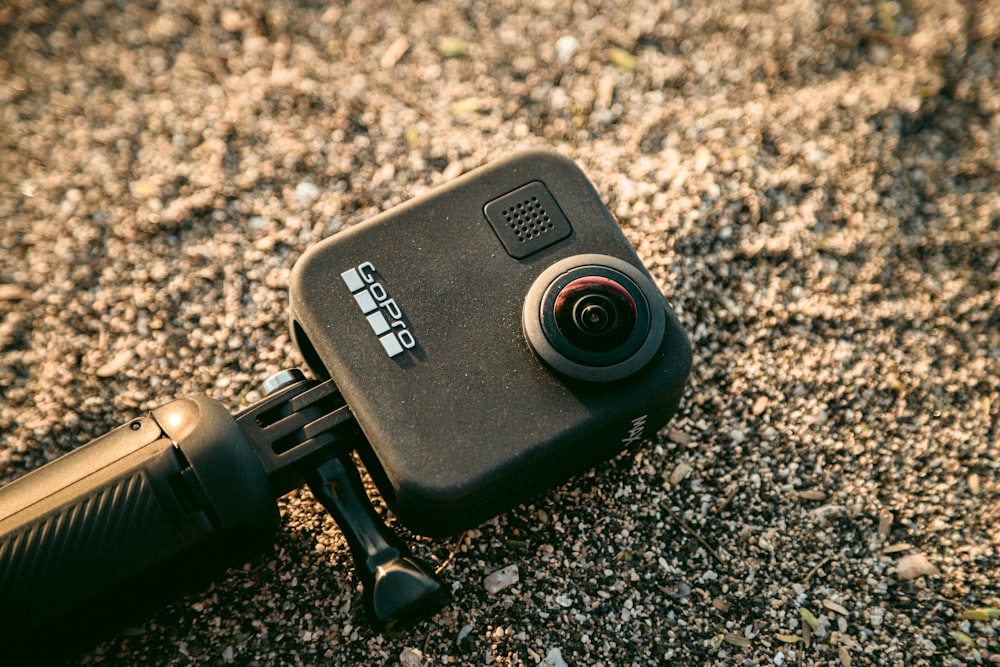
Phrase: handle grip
pixel 112 516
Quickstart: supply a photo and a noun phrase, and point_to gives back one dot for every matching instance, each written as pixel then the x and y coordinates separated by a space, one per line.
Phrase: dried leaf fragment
pixel 812 494
pixel 895 548
pixel 736 640
pixel 974 485
pixel 622 59
pixel 965 639
pixel 721 604
pixel 833 606
pixel 788 639
pixel 981 614
pixel 845 656
pixel 118 362
pixel 467 105
pixel 143 189
pixel 887 12
pixel 808 617
pixel 451 46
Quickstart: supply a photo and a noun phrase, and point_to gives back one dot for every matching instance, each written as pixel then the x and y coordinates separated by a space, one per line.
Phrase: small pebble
pixel 680 472
pixel 566 48
pixel 395 52
pixel 501 579
pixel 12 292
pixel 115 364
pixel 306 192
pixel 973 481
pixel 411 657
pixel 833 606
pixel 915 565
pixel 553 659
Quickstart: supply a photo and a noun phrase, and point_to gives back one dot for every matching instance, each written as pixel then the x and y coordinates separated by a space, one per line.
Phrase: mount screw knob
pixel 281 379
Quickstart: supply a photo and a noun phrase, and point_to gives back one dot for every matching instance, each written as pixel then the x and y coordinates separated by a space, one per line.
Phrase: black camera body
pixel 491 339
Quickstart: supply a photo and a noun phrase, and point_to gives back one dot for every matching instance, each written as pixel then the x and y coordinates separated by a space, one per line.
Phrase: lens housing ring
pixel 555 348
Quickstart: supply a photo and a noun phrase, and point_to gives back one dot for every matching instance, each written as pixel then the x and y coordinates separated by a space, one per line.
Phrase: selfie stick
pixel 190 482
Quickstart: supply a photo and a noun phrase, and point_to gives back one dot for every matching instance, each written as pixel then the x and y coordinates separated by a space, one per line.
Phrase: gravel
pixel 814 186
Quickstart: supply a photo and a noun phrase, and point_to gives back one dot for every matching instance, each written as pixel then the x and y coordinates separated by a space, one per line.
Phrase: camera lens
pixel 594 317
pixel 595 313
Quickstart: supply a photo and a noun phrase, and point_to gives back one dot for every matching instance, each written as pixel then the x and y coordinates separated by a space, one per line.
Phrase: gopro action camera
pixel 492 339
pixel 475 346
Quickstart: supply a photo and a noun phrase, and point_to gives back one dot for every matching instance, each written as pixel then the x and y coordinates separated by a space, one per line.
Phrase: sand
pixel 813 185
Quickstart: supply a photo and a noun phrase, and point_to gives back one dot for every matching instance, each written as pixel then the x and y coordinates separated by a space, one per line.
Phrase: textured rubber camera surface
pixel 419 316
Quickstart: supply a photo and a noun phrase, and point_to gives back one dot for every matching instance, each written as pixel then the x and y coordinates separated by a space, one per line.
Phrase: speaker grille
pixel 527 220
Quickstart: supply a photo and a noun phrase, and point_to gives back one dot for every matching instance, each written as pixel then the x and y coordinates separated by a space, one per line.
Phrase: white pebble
pixel 306 192
pixel 566 48
pixel 553 659
pixel 501 579
pixel 411 657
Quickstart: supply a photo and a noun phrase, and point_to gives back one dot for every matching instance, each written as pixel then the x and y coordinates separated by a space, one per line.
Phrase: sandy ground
pixel 814 185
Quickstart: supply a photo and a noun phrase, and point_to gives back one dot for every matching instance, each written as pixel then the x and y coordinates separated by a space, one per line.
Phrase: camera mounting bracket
pixel 302 431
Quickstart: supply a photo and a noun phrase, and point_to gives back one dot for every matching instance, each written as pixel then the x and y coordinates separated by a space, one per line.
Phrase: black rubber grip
pixel 95 517
pixel 106 520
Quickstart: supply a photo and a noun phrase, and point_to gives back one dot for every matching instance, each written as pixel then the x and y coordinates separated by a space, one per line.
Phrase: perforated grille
pixel 527 220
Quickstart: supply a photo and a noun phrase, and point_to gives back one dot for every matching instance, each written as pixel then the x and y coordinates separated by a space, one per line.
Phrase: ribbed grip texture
pixel 89 537
pixel 105 532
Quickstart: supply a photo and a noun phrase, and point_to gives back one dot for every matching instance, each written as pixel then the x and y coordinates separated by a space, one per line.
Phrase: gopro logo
pixel 382 312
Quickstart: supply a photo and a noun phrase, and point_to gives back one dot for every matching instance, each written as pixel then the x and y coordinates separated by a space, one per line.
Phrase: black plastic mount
pixel 296 428
pixel 303 432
